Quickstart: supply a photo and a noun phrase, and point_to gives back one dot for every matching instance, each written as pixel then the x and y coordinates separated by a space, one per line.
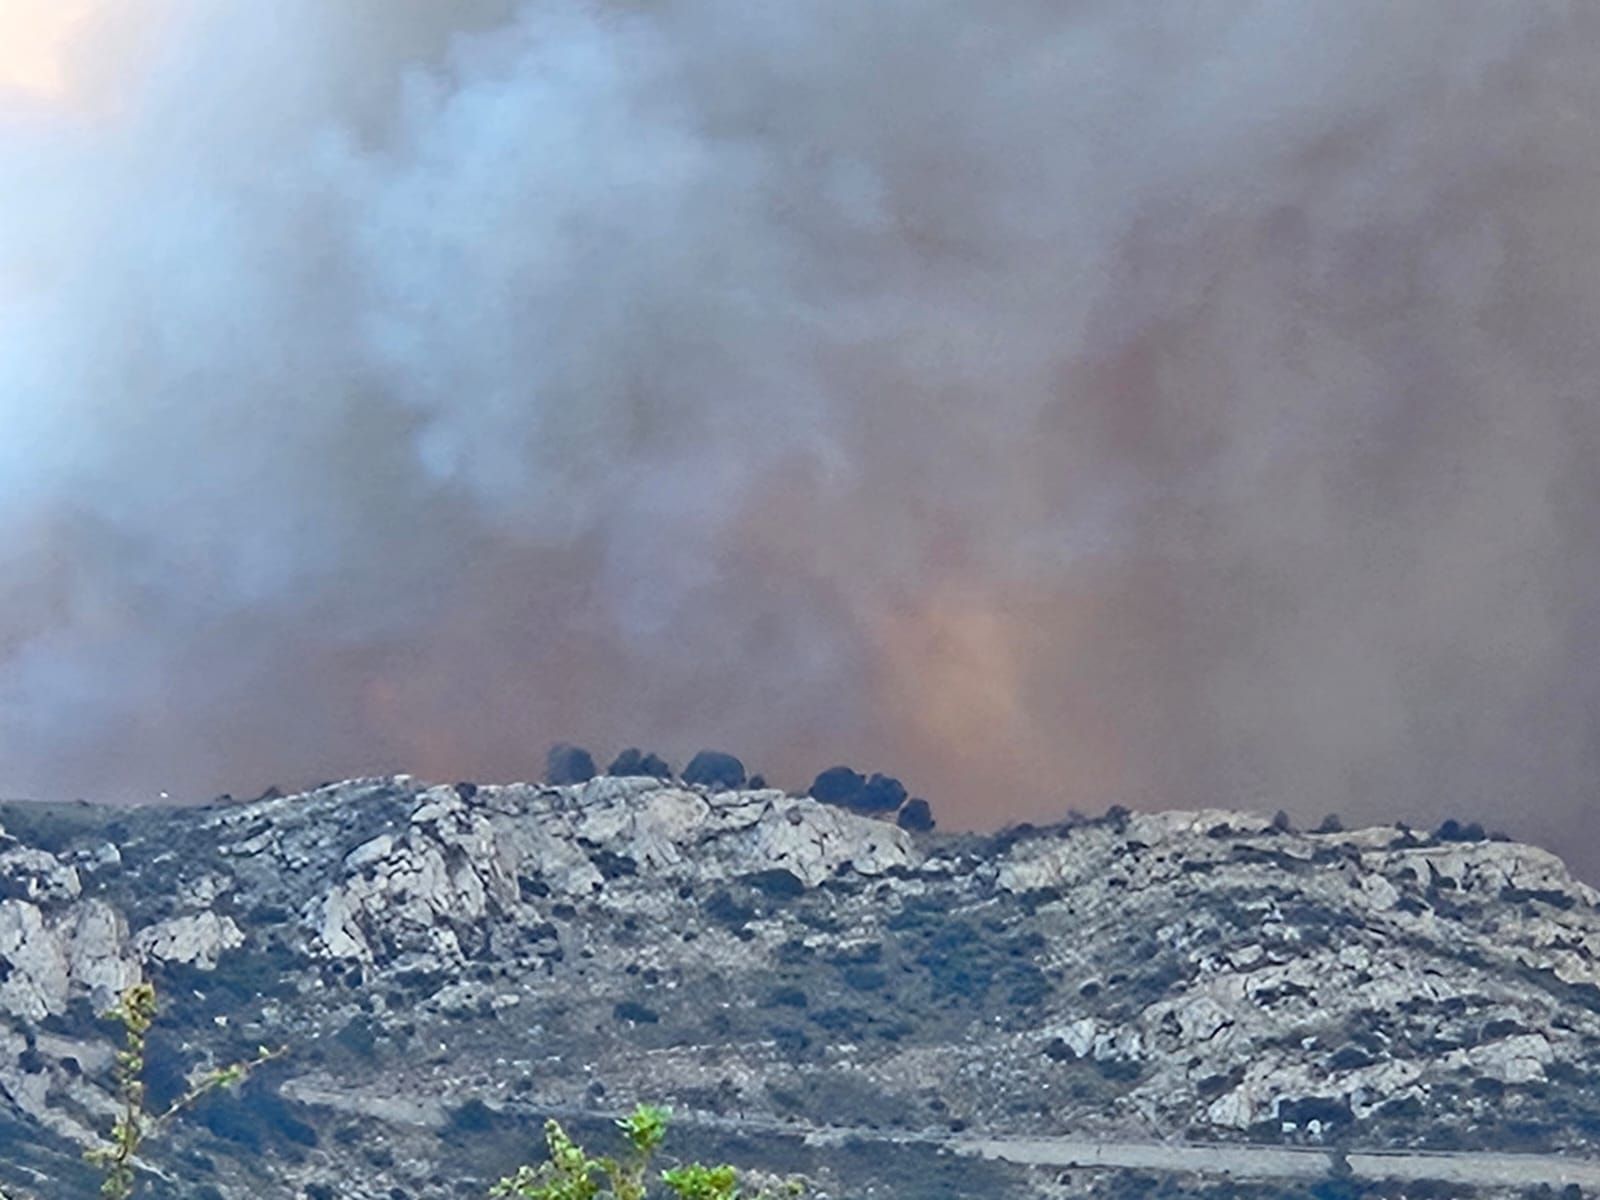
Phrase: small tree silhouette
pixel 118 1156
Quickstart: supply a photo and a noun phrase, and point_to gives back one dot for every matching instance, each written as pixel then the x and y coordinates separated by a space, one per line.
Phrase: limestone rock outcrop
pixel 1206 973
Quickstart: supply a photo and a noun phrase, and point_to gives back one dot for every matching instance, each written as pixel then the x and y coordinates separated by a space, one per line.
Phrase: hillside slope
pixel 450 963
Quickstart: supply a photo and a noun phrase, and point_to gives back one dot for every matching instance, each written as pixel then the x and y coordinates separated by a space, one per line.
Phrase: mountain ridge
pixel 430 951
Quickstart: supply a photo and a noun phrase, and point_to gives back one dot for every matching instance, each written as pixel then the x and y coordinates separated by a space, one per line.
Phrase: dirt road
pixel 1482 1168
pixel 1235 1160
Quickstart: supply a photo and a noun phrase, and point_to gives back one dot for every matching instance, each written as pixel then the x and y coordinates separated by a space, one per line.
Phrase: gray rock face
pixel 541 948
pixel 199 938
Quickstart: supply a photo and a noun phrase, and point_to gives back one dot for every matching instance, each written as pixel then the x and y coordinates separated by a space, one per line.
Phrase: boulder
pixel 34 970
pixel 199 939
pixel 37 875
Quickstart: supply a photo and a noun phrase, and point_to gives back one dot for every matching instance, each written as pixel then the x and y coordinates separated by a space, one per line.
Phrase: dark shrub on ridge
pixel 883 794
pixel 635 763
pixel 566 765
pixel 849 789
pixel 1454 831
pixel 838 785
pixel 713 768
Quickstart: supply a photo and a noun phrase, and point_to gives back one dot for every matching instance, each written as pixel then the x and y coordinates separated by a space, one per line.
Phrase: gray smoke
pixel 1051 404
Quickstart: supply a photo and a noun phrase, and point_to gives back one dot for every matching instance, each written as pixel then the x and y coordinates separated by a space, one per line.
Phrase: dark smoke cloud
pixel 1050 404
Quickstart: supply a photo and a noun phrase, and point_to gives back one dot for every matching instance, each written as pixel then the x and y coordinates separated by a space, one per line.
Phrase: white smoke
pixel 1055 404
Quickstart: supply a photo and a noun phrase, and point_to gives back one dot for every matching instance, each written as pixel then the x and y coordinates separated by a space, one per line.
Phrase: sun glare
pixel 34 39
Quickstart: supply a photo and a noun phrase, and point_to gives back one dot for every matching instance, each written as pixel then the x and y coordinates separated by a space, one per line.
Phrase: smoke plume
pixel 1052 404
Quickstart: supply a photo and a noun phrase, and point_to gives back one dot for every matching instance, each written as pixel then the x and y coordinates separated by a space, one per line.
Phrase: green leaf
pixel 696 1181
pixel 645 1127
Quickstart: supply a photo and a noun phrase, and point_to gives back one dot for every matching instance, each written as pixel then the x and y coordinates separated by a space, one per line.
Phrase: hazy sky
pixel 1054 404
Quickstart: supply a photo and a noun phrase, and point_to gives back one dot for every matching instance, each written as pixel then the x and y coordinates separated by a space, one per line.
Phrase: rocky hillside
pixel 449 963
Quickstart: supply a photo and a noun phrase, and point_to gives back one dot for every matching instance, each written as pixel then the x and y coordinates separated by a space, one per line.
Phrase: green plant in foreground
pixel 118 1157
pixel 571 1174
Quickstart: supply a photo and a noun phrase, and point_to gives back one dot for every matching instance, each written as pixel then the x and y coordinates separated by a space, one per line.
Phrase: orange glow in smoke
pixel 952 669
pixel 35 42
pixel 950 684
pixel 969 705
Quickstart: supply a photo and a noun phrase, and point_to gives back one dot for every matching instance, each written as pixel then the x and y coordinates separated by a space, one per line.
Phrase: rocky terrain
pixel 448 964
